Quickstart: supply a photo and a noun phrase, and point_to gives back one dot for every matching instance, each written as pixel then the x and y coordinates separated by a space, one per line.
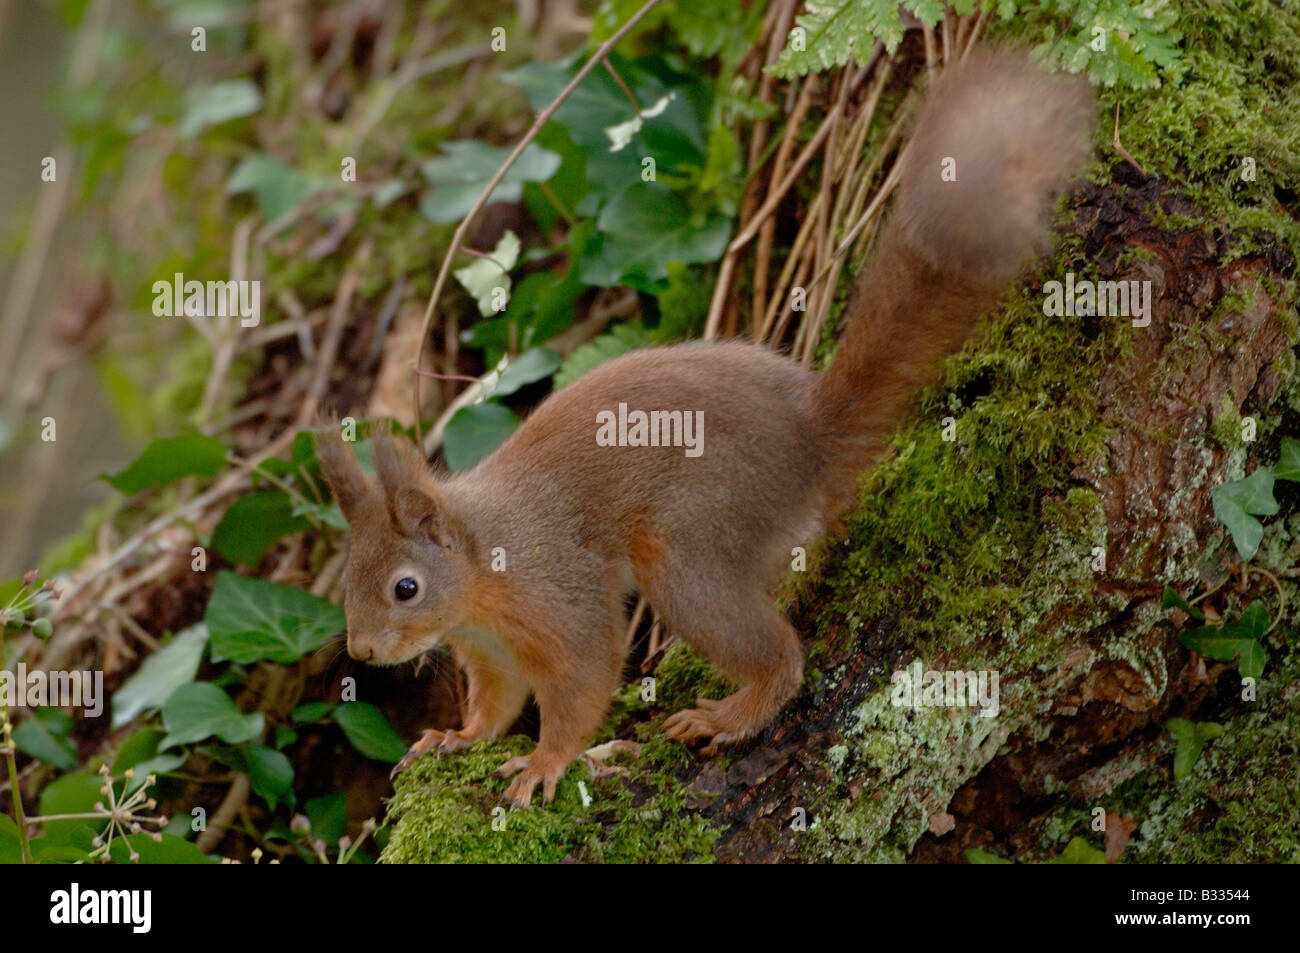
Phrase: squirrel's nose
pixel 360 655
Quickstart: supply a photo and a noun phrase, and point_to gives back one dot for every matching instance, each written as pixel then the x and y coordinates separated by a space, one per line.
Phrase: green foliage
pixel 1109 40
pixel 369 731
pixel 276 185
pixel 221 102
pixel 253 524
pixel 1172 600
pixel 489 277
pixel 1112 41
pixel 465 170
pixel 169 459
pixel 1238 502
pixel 201 710
pixel 619 340
pixel 706 28
pixel 1241 640
pixel 251 620
pixel 531 366
pixel 1191 741
pixel 1288 464
pixel 646 228
pixel 1079 851
pixel 476 431
pixel 45 736
pixel 975 855
pixel 164 671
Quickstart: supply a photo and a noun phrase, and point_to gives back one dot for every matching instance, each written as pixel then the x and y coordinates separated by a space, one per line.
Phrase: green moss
pixel 683 676
pixel 445 810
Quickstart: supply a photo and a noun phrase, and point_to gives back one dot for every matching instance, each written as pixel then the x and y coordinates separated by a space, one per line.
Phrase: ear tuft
pixel 398 463
pixel 339 464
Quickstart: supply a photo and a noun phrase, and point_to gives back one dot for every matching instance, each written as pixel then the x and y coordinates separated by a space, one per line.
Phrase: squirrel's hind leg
pixel 736 626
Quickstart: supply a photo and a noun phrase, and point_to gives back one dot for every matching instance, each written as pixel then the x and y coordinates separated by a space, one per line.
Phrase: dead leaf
pixel 1118 831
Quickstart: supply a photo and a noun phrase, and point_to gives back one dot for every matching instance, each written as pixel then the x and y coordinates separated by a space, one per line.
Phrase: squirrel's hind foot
pixel 713 721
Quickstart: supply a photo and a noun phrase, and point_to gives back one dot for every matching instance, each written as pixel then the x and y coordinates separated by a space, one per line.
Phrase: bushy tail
pixel 1013 136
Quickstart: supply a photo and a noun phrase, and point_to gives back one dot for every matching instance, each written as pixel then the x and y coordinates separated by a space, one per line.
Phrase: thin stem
pixel 554 199
pixel 1281 596
pixel 485 255
pixel 542 119
pixel 15 792
pixel 627 91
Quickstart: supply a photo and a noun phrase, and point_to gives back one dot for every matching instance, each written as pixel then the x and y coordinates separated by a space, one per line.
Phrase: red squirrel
pixel 703 535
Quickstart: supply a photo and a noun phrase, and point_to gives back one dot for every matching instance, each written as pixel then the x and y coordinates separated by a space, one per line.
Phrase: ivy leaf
pixel 645 228
pixel 277 186
pixel 212 105
pixel 167 460
pixel 328 815
pixel 465 169
pixel 531 366
pixel 487 279
pixel 162 673
pixel 168 849
pixel 1172 600
pixel 312 711
pixel 251 620
pixel 140 752
pixel 35 737
pixel 476 431
pixel 200 710
pixel 271 774
pixel 1236 501
pixel 370 732
pixel 71 794
pixel 676 138
pixel 542 305
pixel 977 856
pixel 1288 464
pixel 10 845
pixel 620 134
pixel 1079 851
pixel 326 514
pixel 1191 740
pixel 253 524
pixel 1238 640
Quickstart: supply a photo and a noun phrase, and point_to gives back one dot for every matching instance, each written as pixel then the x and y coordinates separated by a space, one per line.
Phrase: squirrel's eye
pixel 406 588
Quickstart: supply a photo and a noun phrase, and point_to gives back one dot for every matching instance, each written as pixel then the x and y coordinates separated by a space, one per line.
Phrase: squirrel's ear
pixel 398 463
pixel 419 509
pixel 342 472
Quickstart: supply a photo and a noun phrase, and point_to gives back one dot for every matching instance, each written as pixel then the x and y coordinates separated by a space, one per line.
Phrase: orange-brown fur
pixel 703 538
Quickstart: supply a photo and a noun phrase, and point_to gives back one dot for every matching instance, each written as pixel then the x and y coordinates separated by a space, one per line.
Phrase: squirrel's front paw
pixel 531 772
pixel 445 741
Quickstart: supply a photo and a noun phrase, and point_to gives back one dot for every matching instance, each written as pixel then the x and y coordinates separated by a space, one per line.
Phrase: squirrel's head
pixel 409 565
